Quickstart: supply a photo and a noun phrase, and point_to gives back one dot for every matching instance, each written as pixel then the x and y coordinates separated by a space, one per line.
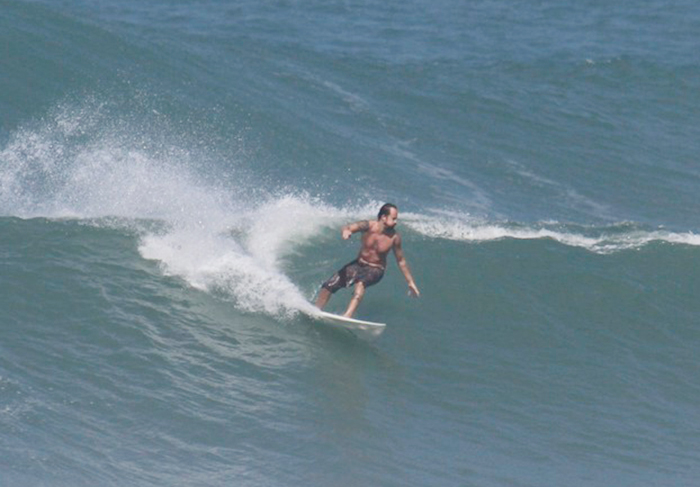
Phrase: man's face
pixel 391 219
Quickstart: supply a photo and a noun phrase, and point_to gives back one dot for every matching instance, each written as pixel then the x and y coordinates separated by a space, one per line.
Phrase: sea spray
pixel 217 232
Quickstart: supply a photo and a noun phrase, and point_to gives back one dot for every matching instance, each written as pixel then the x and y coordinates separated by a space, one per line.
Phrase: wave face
pixel 173 179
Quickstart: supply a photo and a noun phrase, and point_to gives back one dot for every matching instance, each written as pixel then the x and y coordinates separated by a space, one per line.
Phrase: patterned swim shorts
pixel 352 273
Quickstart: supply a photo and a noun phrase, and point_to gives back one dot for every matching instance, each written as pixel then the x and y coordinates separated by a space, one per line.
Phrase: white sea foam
pixel 602 240
pixel 243 255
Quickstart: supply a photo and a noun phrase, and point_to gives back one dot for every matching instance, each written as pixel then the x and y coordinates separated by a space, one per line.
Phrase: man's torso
pixel 376 245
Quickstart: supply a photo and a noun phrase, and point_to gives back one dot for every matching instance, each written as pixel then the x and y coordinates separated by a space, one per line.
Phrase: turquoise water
pixel 173 179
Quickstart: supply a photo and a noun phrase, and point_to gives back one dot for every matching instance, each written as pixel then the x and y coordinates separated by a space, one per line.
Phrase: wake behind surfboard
pixel 366 330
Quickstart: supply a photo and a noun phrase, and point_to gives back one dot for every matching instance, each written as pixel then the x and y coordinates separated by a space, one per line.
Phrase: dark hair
pixel 386 209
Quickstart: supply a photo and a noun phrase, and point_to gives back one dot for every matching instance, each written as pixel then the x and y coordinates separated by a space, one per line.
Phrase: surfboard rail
pixel 366 330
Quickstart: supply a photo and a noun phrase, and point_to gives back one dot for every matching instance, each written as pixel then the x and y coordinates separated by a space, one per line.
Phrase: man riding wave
pixel 378 239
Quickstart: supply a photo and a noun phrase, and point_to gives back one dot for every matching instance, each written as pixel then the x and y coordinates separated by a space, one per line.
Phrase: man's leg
pixel 357 296
pixel 323 296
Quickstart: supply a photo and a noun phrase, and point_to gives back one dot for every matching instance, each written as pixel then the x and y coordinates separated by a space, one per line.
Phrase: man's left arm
pixel 403 265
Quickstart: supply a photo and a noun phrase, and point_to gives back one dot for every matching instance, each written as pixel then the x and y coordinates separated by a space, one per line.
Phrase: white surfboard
pixel 367 330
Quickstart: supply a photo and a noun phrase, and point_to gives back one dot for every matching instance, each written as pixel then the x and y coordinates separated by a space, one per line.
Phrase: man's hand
pixel 413 290
pixel 346 233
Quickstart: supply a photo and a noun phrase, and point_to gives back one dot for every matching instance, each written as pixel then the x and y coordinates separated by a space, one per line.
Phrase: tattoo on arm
pixel 362 226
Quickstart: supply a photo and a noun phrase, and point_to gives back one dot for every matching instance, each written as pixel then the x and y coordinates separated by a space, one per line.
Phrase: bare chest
pixel 377 243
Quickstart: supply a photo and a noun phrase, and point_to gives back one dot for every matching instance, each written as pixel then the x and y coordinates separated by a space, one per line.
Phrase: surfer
pixel 378 239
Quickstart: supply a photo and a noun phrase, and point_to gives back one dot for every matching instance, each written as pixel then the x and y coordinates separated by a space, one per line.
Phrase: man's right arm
pixel 348 230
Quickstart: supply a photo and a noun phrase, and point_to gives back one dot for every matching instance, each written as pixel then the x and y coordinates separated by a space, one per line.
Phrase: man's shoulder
pixel 374 226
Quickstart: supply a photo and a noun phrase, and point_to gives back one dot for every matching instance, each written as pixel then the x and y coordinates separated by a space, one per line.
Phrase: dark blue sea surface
pixel 173 179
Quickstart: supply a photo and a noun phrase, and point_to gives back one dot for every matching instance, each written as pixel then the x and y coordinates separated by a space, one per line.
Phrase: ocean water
pixel 173 179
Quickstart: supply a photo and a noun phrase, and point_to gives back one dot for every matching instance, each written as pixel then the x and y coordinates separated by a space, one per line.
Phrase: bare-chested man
pixel 378 239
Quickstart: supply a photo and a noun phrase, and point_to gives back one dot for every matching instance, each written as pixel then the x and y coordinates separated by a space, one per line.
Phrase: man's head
pixel 388 214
